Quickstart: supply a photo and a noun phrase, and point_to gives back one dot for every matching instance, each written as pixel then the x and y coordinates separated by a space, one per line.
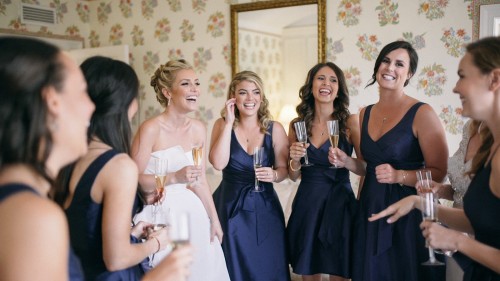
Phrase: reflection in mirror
pixel 485 18
pixel 280 41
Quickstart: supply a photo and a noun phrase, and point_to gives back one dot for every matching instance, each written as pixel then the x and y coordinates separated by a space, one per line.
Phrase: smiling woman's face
pixel 185 90
pixel 248 97
pixel 325 85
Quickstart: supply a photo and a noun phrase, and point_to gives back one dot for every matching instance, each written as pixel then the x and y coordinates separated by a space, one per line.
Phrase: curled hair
pixel 164 77
pixel 389 48
pixel 263 115
pixel 305 109
pixel 486 58
pixel 27 68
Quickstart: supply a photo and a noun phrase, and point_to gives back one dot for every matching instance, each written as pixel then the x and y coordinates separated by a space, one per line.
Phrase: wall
pixel 198 30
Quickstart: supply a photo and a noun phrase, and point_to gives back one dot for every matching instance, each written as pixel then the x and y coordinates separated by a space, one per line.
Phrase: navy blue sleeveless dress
pixel 75 269
pixel 482 207
pixel 85 225
pixel 253 222
pixel 390 252
pixel 319 230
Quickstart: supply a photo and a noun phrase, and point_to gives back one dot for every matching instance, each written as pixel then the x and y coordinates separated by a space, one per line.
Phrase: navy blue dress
pixel 85 225
pixel 319 229
pixel 390 252
pixel 253 222
pixel 482 207
pixel 75 270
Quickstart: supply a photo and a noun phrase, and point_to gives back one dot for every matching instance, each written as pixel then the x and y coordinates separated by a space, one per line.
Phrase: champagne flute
pixel 179 228
pixel 197 152
pixel 333 131
pixel 160 220
pixel 429 208
pixel 161 169
pixel 257 163
pixel 300 131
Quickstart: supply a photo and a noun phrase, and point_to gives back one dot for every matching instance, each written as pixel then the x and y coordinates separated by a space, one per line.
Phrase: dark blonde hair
pixel 263 115
pixel 164 77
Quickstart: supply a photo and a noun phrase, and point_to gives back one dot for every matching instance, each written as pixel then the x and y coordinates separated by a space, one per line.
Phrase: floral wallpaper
pixel 198 31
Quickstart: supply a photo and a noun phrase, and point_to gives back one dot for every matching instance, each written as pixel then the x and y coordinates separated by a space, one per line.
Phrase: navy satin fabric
pixel 85 225
pixel 390 251
pixel 253 223
pixel 75 271
pixel 482 207
pixel 320 226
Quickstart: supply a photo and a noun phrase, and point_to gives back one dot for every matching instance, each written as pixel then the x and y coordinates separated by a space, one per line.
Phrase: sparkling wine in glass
pixel 257 163
pixel 333 132
pixel 161 169
pixel 197 152
pixel 429 208
pixel 300 131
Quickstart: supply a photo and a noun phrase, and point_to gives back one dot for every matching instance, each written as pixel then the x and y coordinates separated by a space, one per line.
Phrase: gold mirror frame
pixel 476 17
pixel 254 6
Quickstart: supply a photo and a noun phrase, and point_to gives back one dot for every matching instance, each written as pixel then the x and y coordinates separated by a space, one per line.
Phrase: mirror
pixel 485 18
pixel 280 41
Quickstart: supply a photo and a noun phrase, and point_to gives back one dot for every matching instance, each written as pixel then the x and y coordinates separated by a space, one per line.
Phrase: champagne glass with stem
pixel 333 131
pixel 300 131
pixel 257 163
pixel 161 169
pixel 197 152
pixel 429 208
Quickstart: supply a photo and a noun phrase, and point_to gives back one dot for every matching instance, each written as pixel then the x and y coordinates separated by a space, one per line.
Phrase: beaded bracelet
pixel 291 167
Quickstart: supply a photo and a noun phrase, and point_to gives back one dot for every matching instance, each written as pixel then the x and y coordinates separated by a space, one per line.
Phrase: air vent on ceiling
pixel 33 14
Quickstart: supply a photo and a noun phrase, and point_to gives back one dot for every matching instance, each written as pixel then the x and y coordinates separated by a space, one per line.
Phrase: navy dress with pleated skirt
pixel 253 222
pixel 319 231
pixel 390 252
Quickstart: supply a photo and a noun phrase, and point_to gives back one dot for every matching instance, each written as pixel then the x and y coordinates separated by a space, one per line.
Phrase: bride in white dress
pixel 171 135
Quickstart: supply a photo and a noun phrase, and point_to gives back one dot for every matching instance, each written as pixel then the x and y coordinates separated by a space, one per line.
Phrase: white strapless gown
pixel 209 263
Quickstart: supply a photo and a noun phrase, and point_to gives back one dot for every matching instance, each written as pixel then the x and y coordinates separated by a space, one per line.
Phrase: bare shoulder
pixel 121 165
pixel 150 127
pixel 278 126
pixel 32 212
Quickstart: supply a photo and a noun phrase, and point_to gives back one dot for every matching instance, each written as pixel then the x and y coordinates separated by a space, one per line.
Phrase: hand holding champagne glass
pixel 429 207
pixel 257 163
pixel 333 132
pixel 179 228
pixel 300 131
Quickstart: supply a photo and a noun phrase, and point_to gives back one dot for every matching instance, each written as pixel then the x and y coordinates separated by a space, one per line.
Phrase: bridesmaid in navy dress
pixel 319 229
pixel 399 135
pixel 44 115
pixel 253 222
pixel 479 89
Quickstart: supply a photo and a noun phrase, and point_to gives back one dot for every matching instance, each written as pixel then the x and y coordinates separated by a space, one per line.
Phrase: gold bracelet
pixel 405 173
pixel 291 167
pixel 275 176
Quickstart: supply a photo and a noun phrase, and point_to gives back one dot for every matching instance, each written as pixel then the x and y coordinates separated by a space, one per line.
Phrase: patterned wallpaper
pixel 198 30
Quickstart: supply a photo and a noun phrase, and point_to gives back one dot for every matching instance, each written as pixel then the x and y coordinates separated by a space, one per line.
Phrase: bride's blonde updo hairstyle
pixel 164 77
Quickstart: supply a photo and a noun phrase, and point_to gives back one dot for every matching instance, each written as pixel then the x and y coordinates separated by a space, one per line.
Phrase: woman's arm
pixel 280 145
pixel 338 157
pixel 35 239
pixel 118 183
pixel 220 144
pixel 142 147
pixel 432 140
pixel 220 141
pixel 203 191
